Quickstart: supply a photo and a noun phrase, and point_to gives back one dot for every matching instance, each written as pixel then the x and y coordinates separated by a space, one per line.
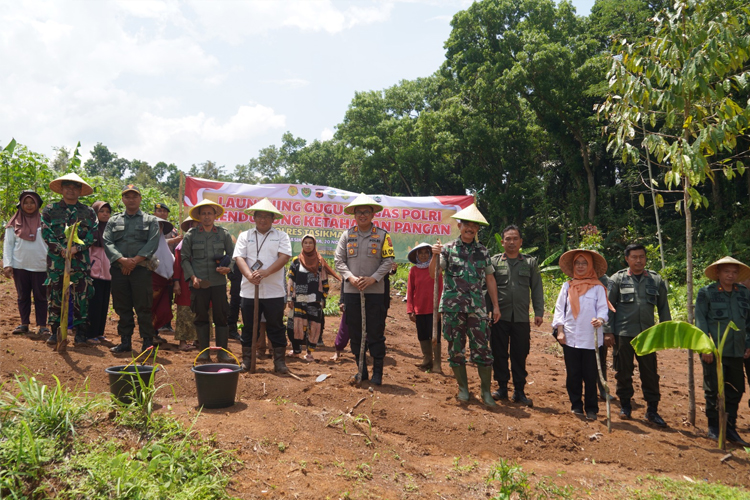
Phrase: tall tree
pixel 683 85
pixel 105 163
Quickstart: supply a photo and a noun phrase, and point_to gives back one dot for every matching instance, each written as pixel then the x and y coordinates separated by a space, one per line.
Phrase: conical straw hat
pixel 205 203
pixel 186 224
pixel 265 205
pixel 712 271
pixel 166 225
pixel 471 214
pixel 566 262
pixel 56 185
pixel 412 255
pixel 362 200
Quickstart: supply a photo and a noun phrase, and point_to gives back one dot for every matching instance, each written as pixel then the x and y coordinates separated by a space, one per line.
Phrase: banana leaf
pixel 672 335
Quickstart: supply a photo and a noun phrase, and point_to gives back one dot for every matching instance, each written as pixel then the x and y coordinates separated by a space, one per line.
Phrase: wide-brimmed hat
pixel 412 255
pixel 56 185
pixel 187 224
pixel 471 214
pixel 363 201
pixel 265 205
pixel 712 271
pixel 206 203
pixel 33 194
pixel 566 262
pixel 167 226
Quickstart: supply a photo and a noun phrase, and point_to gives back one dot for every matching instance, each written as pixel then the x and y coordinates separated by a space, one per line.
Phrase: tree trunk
pixel 589 175
pixel 690 303
pixel 716 191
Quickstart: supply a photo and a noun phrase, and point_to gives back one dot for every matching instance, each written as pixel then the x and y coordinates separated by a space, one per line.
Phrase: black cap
pixel 161 205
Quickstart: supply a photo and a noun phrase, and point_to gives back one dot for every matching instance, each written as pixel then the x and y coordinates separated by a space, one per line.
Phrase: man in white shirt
pixel 260 256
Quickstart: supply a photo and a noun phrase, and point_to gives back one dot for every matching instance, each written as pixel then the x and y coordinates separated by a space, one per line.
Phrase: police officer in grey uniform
pixel 130 240
pixel 635 292
pixel 205 257
pixel 364 256
pixel 725 300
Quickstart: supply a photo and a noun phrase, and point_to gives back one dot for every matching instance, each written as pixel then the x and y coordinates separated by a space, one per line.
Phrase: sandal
pixel 186 347
pixel 21 330
pixel 43 330
pixel 93 341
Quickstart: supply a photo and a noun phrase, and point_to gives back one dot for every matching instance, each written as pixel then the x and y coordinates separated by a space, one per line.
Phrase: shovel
pixel 358 376
pixel 603 380
pixel 437 366
pixel 256 306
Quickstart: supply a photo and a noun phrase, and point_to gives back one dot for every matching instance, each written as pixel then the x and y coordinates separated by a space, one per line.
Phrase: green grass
pixel 662 488
pixel 55 442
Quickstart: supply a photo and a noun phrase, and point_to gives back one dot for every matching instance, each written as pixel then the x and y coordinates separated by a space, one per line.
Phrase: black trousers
pixel 215 297
pixel 375 322
pixel 623 356
pixel 517 336
pixel 235 280
pixel 580 367
pixel 30 283
pixel 424 327
pixel 734 386
pixel 99 308
pixel 130 293
pixel 273 310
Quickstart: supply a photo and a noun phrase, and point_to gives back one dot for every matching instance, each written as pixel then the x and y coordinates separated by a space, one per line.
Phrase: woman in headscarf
pixel 307 289
pixel 99 304
pixel 581 308
pixel 25 258
pixel 161 282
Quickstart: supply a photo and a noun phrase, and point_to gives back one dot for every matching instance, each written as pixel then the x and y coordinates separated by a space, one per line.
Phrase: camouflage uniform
pixel 55 217
pixel 462 304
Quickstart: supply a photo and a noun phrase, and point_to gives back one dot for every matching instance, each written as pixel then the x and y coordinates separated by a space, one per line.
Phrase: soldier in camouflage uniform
pixel 467 266
pixel 717 304
pixel 55 218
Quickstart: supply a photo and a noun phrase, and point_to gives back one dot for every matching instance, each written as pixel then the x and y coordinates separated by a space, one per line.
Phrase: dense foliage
pixel 514 114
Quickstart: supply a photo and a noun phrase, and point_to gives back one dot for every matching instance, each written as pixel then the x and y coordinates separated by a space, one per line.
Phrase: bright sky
pixel 196 80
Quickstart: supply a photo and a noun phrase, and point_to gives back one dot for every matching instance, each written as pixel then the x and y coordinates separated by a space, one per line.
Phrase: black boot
pixel 520 397
pixel 124 347
pixel 204 341
pixel 365 374
pixel 222 337
pixel 52 340
pixel 233 334
pixel 713 429
pixel 625 409
pixel 500 393
pixel 652 415
pixel 247 353
pixel 279 356
pixel 377 371
pixel 732 435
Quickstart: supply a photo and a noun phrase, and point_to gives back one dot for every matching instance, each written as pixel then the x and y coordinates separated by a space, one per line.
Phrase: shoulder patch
pixel 387 247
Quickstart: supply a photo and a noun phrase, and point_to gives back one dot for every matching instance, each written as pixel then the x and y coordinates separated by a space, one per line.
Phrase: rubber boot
pixel 125 346
pixel 222 340
pixel 732 435
pixel 377 371
pixel 279 354
pixel 713 429
pixel 247 358
pixel 485 376
pixel 463 382
pixel 204 341
pixel 426 346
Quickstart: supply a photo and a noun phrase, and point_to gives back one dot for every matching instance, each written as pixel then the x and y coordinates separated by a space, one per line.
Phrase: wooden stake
pixel 256 306
pixel 437 365
pixel 182 199
pixel 603 380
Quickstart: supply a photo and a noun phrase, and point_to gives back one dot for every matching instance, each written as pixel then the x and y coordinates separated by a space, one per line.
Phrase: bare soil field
pixel 410 437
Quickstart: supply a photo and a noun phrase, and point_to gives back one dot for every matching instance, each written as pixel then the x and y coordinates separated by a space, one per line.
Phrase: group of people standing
pixel 129 256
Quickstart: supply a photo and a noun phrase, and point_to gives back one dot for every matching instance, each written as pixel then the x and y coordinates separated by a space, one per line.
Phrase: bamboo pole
pixel 602 379
pixel 182 199
pixel 437 365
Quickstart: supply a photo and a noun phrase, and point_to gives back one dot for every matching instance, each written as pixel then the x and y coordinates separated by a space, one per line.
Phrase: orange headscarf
pixel 582 283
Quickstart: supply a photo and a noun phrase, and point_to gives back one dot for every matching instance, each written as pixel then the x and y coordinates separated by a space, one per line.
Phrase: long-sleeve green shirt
pixel 131 236
pixel 55 217
pixel 519 285
pixel 715 308
pixel 634 300
pixel 199 247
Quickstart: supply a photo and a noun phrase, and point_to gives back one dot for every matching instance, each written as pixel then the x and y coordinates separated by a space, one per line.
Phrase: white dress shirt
pixel 271 244
pixel 22 254
pixel 579 332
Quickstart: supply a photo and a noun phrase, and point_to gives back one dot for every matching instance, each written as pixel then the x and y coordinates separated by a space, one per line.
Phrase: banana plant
pixel 682 335
pixel 71 233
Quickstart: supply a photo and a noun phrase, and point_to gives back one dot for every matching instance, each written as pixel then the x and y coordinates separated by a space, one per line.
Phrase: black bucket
pixel 216 390
pixel 123 379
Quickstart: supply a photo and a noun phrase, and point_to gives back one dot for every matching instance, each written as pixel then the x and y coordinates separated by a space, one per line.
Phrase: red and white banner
pixel 319 210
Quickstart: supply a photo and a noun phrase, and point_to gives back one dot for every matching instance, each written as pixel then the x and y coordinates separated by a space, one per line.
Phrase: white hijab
pixel 166 259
